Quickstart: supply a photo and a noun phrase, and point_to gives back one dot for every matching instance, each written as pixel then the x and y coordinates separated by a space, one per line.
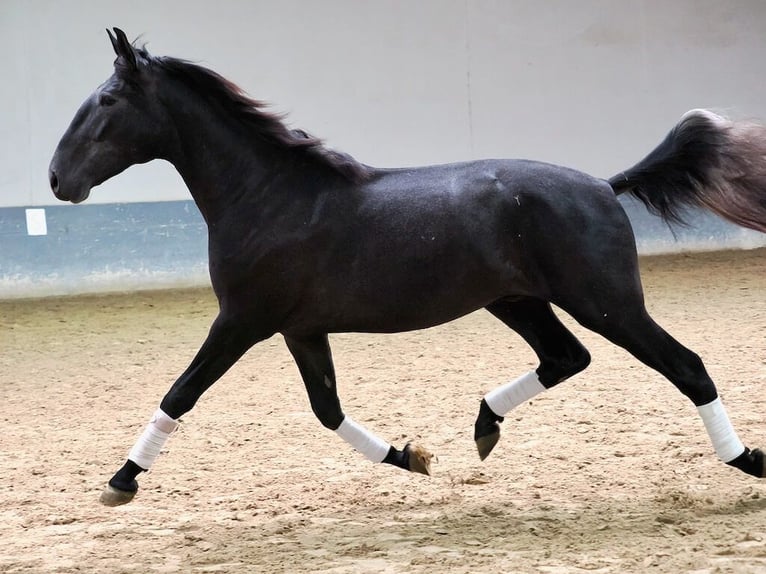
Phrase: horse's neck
pixel 219 161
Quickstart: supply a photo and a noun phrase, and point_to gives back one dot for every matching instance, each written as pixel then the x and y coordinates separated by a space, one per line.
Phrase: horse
pixel 305 241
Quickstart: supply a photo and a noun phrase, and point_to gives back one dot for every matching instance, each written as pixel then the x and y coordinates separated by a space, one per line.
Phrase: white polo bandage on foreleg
pixel 725 440
pixel 151 441
pixel 509 396
pixel 372 447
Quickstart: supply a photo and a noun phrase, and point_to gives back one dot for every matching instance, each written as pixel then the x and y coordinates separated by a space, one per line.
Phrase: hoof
pixel 418 459
pixel 486 431
pixel 759 463
pixel 486 443
pixel 115 497
pixel 752 462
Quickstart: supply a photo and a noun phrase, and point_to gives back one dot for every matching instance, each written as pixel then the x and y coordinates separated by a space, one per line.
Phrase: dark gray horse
pixel 304 241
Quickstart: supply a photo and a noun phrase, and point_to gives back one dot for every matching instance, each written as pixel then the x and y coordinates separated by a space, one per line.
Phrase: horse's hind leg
pixel 627 324
pixel 314 359
pixel 561 356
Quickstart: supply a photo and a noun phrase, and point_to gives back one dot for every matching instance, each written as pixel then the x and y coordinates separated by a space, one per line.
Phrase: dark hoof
pixel 112 496
pixel 418 459
pixel 485 444
pixel 486 430
pixel 752 462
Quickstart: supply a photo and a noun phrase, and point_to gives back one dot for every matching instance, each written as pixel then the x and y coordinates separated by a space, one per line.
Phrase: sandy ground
pixel 610 472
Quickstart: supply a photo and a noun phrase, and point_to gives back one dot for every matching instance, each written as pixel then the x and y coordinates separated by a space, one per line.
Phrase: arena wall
pixel 592 84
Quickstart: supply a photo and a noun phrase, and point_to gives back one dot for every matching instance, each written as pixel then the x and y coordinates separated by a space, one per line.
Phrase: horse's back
pixel 483 183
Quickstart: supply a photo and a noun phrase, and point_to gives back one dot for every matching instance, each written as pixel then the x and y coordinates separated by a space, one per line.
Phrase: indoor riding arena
pixel 108 312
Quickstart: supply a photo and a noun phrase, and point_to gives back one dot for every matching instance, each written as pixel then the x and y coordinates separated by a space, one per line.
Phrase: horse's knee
pixel 578 360
pixel 177 403
pixel 554 370
pixel 328 413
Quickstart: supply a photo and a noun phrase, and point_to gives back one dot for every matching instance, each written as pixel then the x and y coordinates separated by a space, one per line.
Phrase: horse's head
pixel 121 124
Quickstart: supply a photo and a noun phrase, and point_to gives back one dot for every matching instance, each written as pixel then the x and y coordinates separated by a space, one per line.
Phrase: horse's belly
pixel 396 321
pixel 391 308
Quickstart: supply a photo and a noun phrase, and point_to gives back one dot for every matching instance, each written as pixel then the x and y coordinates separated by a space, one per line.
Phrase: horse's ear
pixel 123 48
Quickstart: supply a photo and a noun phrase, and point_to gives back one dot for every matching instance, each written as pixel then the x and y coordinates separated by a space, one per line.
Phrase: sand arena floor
pixel 611 472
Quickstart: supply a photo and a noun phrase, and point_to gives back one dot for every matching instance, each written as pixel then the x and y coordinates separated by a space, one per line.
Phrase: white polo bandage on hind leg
pixel 509 396
pixel 151 441
pixel 722 434
pixel 372 447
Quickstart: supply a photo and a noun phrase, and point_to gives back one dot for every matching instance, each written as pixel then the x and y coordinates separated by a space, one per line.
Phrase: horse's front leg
pixel 314 360
pixel 228 340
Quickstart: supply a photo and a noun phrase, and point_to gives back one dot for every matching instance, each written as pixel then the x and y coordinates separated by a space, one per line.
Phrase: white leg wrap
pixel 509 396
pixel 151 441
pixel 725 440
pixel 374 448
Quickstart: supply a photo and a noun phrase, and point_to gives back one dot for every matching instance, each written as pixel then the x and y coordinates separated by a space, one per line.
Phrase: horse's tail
pixel 705 161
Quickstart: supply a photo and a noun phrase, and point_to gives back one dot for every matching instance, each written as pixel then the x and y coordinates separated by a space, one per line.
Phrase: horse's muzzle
pixel 78 196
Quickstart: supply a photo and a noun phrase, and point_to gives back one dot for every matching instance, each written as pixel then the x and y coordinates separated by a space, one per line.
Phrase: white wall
pixel 593 84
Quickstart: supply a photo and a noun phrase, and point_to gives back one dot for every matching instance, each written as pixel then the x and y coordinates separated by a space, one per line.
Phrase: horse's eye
pixel 106 100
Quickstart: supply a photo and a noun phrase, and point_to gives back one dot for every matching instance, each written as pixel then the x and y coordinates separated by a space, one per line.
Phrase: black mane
pixel 268 126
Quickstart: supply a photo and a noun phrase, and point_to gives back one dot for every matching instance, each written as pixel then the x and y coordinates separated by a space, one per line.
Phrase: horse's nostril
pixel 54 181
